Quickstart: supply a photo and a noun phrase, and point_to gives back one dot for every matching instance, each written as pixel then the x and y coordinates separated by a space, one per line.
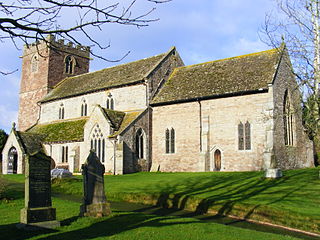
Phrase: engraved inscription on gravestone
pixel 39 184
pixel 38 210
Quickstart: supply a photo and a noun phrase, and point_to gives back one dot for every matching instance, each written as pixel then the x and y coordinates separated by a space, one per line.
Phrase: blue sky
pixel 201 30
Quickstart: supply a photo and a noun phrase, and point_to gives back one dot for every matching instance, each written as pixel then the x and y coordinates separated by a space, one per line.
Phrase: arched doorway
pixel 217 160
pixel 12 161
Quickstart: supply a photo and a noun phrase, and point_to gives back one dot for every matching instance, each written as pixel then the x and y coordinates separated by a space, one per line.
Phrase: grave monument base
pixel 273 173
pixel 44 217
pixel 95 210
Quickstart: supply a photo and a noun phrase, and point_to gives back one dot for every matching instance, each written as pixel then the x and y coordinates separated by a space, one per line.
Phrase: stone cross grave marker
pixel 94 200
pixel 38 209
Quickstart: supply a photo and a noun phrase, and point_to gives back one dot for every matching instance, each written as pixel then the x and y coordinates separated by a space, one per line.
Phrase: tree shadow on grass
pixel 237 194
pixel 10 231
pixel 116 224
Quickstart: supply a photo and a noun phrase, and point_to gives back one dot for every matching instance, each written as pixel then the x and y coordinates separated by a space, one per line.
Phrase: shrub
pixel 2 187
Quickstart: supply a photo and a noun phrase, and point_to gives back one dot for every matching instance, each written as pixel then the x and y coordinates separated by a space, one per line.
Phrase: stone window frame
pixel 69 64
pixel 140 144
pixel 244 136
pixel 170 141
pixel 110 103
pixel 64 154
pixel 84 108
pixel 289 125
pixel 61 111
pixel 34 63
pixel 98 142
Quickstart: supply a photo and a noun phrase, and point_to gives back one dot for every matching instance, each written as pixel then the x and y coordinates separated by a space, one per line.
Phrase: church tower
pixel 44 64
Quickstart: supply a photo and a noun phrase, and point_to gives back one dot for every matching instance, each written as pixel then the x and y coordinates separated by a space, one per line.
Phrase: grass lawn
pixel 292 201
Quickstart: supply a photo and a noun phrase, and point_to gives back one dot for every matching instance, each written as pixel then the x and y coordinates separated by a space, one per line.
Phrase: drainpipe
pixel 114 155
pixel 200 124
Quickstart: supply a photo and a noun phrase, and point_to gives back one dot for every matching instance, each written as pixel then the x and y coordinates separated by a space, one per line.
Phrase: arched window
pixel 288 120
pixel 12 160
pixel 244 136
pixel 61 111
pixel 140 143
pixel 240 136
pixel 84 108
pixel 69 64
pixel 34 63
pixel 97 143
pixel 170 140
pixel 110 103
pixel 64 154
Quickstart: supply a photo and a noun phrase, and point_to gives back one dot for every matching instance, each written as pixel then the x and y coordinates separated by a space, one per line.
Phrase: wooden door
pixel 217 160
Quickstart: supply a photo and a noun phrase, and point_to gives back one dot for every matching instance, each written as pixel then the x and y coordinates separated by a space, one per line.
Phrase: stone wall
pixel 131 163
pixel 203 127
pixel 49 71
pixel 125 99
pixel 160 75
pixel 300 154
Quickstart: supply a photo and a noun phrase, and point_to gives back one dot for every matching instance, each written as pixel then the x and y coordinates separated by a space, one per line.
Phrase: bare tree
pixel 28 21
pixel 297 23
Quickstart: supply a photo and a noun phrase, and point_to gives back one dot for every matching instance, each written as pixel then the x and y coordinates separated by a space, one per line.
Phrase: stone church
pixel 155 114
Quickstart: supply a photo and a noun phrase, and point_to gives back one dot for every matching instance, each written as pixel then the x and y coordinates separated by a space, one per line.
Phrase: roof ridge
pixel 122 64
pixel 230 58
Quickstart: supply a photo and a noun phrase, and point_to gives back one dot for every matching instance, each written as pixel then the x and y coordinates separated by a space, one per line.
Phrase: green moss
pixel 61 131
pixel 115 117
pixel 127 120
pixel 231 75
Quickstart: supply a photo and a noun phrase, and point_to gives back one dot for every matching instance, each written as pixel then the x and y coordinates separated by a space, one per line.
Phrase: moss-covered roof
pixel 232 75
pixel 115 117
pixel 62 131
pixel 130 73
pixel 31 142
pixel 129 117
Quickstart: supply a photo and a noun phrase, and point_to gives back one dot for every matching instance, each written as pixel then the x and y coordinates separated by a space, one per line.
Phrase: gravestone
pixel 38 209
pixel 94 200
pixel 273 171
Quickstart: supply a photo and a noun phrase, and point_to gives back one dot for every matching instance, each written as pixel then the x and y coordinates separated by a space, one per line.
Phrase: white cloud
pixel 246 46
pixel 7 117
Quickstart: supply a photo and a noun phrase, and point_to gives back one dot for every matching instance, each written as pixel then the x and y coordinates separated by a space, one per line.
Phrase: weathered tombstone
pixel 94 201
pixel 273 171
pixel 38 209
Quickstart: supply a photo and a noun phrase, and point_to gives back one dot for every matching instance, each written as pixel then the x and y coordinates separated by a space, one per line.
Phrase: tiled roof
pixel 127 120
pixel 124 74
pixel 227 76
pixel 120 120
pixel 115 117
pixel 62 131
pixel 31 142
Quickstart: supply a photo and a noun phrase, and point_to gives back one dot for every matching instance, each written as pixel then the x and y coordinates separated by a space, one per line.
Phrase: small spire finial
pixel 14 125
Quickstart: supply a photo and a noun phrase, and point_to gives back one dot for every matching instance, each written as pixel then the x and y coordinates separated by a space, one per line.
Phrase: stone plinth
pixel 38 209
pixel 273 173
